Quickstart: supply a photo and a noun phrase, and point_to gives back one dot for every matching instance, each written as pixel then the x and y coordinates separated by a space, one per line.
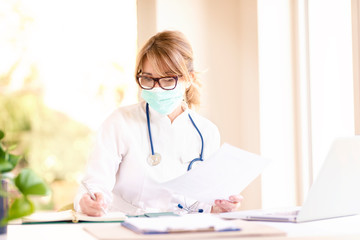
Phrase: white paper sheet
pixel 225 173
pixel 185 223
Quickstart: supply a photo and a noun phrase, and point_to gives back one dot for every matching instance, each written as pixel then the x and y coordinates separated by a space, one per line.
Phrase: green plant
pixel 26 182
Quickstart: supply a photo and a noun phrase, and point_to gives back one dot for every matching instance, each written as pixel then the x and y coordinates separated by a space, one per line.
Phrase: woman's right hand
pixel 92 207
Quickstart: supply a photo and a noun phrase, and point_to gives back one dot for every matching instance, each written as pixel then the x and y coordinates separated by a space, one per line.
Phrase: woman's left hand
pixel 230 205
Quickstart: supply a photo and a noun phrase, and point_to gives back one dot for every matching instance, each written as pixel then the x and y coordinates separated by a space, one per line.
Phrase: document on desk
pixel 227 172
pixel 71 215
pixel 180 224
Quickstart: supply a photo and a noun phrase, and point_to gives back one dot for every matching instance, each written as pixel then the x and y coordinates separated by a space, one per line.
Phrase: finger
pixel 219 206
pixel 87 208
pixel 216 209
pixel 92 204
pixel 227 205
pixel 93 212
pixel 221 209
pixel 100 198
pixel 236 198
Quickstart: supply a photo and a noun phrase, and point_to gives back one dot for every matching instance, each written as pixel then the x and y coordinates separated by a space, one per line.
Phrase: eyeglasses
pixel 148 83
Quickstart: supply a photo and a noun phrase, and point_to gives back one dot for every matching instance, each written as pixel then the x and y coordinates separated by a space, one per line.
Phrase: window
pixel 306 91
pixel 64 66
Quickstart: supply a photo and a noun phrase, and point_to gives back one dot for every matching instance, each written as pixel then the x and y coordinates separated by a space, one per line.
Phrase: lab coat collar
pixel 156 116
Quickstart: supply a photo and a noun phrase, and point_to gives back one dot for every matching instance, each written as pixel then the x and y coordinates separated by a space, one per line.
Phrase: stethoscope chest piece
pixel 154 159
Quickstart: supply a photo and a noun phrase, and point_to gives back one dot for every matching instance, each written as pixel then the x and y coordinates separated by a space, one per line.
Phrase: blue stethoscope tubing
pixel 202 145
pixel 200 158
pixel 149 130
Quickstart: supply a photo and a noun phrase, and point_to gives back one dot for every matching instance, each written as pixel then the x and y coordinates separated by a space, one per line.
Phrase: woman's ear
pixel 192 78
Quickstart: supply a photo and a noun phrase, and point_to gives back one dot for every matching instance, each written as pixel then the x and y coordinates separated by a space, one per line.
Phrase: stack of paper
pixel 176 224
pixel 70 215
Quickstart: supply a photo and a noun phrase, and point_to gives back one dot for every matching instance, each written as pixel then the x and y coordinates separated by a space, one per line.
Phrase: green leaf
pixel 29 183
pixel 21 207
pixel 5 166
pixel 8 161
pixel 13 159
pixel 2 153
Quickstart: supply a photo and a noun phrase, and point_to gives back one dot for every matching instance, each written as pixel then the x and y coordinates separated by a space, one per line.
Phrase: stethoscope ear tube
pixel 149 130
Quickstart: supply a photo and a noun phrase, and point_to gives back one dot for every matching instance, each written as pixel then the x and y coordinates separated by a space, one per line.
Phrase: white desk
pixel 64 231
pixel 349 226
pixel 339 228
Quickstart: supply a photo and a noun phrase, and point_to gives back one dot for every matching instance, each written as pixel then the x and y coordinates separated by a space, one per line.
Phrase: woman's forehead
pixel 156 67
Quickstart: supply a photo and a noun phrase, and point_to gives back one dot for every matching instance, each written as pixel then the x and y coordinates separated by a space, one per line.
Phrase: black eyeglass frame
pixel 157 80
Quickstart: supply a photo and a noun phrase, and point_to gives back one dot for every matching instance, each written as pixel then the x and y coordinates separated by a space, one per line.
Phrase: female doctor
pixel 140 146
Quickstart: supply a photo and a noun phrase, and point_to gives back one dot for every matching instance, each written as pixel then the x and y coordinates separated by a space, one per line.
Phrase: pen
pixel 91 194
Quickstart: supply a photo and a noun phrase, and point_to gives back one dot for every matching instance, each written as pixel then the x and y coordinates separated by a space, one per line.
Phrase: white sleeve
pixel 102 165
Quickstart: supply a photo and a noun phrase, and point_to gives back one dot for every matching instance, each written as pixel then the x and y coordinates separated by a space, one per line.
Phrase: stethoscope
pixel 155 158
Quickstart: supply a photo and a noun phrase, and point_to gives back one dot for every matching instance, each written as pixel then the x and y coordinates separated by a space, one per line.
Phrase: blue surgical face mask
pixel 164 101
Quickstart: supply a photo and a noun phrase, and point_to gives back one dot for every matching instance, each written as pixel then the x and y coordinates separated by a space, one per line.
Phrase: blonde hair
pixel 170 51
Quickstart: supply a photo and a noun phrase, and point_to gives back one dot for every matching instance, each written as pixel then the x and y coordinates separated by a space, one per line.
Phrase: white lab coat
pixel 118 165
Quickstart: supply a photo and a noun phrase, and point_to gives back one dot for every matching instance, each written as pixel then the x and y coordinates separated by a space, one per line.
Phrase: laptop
pixel 335 192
